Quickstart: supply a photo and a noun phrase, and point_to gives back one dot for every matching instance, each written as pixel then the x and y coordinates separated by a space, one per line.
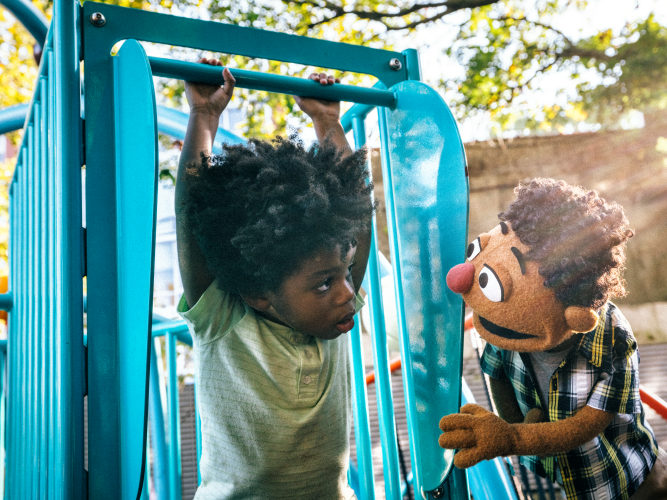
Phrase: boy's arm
pixel 326 120
pixel 207 103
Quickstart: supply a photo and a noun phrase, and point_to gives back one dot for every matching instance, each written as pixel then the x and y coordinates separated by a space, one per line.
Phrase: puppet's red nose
pixel 459 278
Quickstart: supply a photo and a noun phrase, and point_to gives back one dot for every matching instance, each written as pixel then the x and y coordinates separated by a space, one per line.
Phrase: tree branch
pixel 382 17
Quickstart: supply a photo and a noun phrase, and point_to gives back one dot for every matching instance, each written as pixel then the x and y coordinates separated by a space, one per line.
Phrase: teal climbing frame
pixel 50 370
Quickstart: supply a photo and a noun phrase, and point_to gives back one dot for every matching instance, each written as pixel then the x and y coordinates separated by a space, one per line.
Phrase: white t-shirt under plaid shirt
pixel 275 405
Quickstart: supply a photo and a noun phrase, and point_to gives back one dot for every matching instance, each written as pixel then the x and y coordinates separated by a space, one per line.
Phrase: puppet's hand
pixel 478 434
pixel 535 416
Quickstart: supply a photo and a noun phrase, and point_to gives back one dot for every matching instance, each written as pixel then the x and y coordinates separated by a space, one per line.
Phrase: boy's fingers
pixel 331 79
pixel 230 82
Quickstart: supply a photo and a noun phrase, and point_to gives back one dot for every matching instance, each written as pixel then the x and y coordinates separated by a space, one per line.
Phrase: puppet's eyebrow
pixel 503 228
pixel 519 256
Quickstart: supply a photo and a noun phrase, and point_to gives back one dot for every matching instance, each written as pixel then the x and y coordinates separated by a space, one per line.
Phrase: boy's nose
pixel 459 278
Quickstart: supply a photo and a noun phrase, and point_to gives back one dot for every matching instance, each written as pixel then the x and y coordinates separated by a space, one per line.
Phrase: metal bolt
pixel 98 19
pixel 395 64
pixel 438 492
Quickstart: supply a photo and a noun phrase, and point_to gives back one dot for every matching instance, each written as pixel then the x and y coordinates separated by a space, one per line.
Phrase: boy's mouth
pixel 346 324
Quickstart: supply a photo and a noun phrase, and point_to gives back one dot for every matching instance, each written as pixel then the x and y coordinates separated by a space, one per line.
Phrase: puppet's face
pixel 512 308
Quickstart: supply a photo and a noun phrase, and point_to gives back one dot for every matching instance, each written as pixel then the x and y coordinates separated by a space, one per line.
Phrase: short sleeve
pixel 618 392
pixel 492 362
pixel 214 314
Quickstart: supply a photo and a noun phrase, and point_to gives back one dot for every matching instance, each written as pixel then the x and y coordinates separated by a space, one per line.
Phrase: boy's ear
pixel 581 319
pixel 261 303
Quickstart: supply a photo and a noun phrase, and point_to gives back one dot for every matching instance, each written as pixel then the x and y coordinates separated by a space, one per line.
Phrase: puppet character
pixel 562 359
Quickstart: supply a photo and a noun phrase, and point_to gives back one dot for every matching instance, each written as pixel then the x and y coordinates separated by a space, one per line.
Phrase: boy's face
pixel 319 298
pixel 512 308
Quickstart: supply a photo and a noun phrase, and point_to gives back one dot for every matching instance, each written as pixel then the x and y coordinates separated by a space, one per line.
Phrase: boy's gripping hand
pixel 325 114
pixel 318 109
pixel 207 99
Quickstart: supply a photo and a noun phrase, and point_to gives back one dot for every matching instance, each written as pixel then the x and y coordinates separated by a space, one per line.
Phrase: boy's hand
pixel 210 99
pixel 318 109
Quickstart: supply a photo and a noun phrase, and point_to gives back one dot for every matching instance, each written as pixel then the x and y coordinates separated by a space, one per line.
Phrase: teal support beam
pixel 13 118
pixel 6 301
pixel 30 16
pixel 255 80
pixel 68 467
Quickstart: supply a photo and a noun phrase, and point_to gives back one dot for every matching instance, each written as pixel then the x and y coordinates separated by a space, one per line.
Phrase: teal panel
pixel 136 191
pixel 430 217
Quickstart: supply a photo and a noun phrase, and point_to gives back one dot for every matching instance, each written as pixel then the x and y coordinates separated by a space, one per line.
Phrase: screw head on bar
pixel 394 64
pixel 98 19
pixel 438 492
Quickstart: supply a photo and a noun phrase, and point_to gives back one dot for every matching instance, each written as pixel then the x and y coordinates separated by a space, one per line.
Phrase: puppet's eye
pixel 491 286
pixel 473 249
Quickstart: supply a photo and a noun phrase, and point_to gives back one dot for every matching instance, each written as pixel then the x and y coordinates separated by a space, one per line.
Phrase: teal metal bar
pixel 203 73
pixel 380 355
pixel 412 64
pixel 31 17
pixel 69 466
pixel 13 118
pixel 30 351
pixel 45 269
pixel 174 421
pixel 158 444
pixel 6 301
pixel 53 269
pixel 123 24
pixel 3 420
pixel 362 428
pixel 35 287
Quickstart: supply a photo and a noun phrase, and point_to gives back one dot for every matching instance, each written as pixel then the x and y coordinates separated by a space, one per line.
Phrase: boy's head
pixel 542 274
pixel 270 218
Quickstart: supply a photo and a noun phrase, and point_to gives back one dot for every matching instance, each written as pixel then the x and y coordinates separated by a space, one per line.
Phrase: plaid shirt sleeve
pixel 618 391
pixel 492 362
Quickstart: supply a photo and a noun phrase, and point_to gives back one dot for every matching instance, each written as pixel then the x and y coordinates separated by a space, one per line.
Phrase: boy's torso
pixel 274 406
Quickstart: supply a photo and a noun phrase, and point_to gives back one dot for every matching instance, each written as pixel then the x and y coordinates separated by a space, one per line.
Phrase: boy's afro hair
pixel 258 210
pixel 576 237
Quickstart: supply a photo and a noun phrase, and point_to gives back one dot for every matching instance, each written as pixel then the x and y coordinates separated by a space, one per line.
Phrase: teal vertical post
pixel 157 432
pixel 53 269
pixel 29 352
pixel 45 268
pixel 3 421
pixel 35 289
pixel 174 421
pixel 362 427
pixel 380 354
pixel 69 453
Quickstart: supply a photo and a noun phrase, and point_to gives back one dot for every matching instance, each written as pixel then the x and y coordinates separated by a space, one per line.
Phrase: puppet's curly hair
pixel 577 238
pixel 258 210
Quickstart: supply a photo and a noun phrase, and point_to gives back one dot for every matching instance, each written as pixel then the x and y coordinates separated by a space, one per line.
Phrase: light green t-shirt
pixel 275 405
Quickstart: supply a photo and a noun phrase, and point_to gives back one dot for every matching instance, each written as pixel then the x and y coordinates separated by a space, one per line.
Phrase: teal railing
pixel 49 368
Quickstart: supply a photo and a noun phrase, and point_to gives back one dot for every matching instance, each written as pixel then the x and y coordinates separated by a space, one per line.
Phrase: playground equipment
pixel 51 367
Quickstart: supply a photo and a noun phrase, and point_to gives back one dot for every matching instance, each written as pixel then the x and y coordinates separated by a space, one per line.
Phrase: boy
pixel 273 241
pixel 562 359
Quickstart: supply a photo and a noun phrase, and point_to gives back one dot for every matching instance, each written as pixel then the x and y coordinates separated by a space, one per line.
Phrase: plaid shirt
pixel 602 372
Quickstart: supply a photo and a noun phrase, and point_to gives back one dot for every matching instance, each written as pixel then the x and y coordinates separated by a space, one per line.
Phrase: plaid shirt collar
pixel 597 347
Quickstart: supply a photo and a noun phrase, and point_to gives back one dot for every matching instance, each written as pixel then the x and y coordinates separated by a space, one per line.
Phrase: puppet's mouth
pixel 505 333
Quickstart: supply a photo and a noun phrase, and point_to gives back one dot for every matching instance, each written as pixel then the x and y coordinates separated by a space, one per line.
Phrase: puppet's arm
pixel 482 435
pixel 508 407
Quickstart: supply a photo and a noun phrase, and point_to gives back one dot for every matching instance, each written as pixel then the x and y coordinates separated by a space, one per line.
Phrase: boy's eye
pixel 473 249
pixel 325 285
pixel 349 269
pixel 491 285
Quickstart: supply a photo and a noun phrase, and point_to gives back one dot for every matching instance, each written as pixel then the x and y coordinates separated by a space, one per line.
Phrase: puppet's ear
pixel 581 319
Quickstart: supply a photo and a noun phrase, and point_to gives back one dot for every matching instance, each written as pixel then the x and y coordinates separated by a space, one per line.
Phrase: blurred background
pixel 569 89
